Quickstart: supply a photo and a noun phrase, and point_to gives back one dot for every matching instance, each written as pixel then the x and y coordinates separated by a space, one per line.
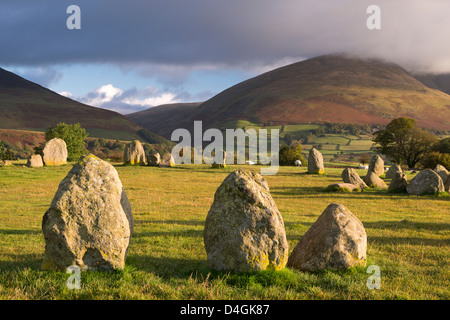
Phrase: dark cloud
pixel 239 33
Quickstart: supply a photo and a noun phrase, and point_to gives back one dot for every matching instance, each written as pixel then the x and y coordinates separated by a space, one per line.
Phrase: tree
pixel 402 141
pixel 288 154
pixel 74 136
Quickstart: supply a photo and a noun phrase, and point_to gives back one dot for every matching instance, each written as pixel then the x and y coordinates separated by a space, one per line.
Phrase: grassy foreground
pixel 408 238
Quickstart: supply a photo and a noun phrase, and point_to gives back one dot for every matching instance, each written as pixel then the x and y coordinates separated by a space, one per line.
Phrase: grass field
pixel 408 238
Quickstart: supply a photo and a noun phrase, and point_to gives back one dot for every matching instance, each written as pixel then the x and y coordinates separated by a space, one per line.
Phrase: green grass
pixel 408 238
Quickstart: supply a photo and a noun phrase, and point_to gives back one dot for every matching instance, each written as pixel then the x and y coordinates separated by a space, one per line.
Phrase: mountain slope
pixel 164 117
pixel 28 106
pixel 436 81
pixel 329 88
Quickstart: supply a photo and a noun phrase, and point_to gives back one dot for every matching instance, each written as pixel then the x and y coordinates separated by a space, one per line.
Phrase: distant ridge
pixel 25 105
pixel 332 88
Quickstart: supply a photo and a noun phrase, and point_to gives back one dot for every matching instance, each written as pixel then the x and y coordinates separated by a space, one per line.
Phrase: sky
pixel 131 55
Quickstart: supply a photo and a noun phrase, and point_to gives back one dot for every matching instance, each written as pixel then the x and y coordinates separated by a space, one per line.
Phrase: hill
pixel 436 81
pixel 164 118
pixel 332 88
pixel 25 105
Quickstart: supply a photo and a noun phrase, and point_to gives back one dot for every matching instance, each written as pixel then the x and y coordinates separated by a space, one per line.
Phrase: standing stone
pixel 244 230
pixel 442 172
pixel 134 153
pixel 222 163
pixel 447 184
pixel 54 152
pixel 425 182
pixel 392 171
pixel 35 161
pixel 154 159
pixel 337 240
pixel 399 182
pixel 349 175
pixel 89 222
pixel 167 160
pixel 376 165
pixel 374 181
pixel 315 162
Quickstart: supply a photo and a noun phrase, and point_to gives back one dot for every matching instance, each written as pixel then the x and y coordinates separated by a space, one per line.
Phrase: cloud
pixel 125 101
pixel 183 35
pixel 66 94
pixel 45 76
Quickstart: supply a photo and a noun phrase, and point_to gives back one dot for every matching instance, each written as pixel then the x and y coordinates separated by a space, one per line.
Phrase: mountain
pixel 26 105
pixel 332 88
pixel 436 81
pixel 165 117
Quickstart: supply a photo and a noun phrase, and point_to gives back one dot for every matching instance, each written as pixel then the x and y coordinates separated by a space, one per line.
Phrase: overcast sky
pixel 131 55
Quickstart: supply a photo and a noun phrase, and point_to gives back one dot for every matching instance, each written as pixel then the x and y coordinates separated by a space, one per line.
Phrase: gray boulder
pixel 374 181
pixel 342 187
pixel 376 165
pixel 154 159
pixel 134 153
pixel 89 222
pixel 315 162
pixel 399 182
pixel 35 161
pixel 447 184
pixel 244 230
pixel 54 152
pixel 442 172
pixel 349 175
pixel 425 182
pixel 393 170
pixel 167 160
pixel 337 240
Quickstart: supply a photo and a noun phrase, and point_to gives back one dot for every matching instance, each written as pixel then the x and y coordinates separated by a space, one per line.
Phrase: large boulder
pixel 35 161
pixel 89 222
pixel 154 159
pixel 442 172
pixel 392 171
pixel 349 175
pixel 374 181
pixel 315 162
pixel 376 165
pixel 167 160
pixel 425 182
pixel 54 152
pixel 337 240
pixel 134 153
pixel 399 182
pixel 244 230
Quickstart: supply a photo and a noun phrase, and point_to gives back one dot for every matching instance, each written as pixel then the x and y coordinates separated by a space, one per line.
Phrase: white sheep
pixel 298 163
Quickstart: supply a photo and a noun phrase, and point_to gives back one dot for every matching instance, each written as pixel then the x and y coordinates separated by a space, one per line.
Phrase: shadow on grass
pixel 173 222
pixel 19 232
pixel 409 240
pixel 20 261
pixel 405 224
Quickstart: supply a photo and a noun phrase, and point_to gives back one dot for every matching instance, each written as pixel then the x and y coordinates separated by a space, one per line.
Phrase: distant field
pixel 408 238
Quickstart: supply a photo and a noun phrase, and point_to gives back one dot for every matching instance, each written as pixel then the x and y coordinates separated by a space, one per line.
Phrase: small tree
pixel 74 136
pixel 288 154
pixel 403 141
